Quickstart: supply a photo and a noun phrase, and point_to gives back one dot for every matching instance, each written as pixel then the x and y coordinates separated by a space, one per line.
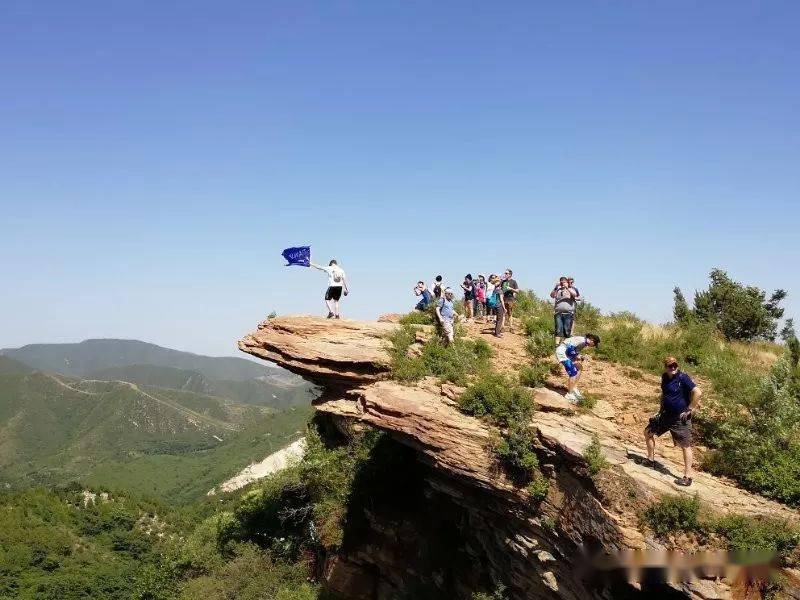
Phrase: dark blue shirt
pixel 427 298
pixel 676 393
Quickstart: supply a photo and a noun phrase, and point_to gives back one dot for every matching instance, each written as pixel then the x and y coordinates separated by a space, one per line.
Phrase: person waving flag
pixel 337 284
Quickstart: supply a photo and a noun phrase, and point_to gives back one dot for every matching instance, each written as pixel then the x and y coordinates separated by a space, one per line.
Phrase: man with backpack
pixel 446 314
pixel 337 283
pixel 679 397
pixel 437 287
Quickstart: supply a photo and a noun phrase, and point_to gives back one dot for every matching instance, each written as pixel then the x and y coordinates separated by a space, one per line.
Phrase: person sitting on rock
pixel 337 282
pixel 427 297
pixel 679 397
pixel 446 313
pixel 569 355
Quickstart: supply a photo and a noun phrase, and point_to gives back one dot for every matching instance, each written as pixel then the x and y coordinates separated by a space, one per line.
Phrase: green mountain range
pixel 169 432
pixel 81 359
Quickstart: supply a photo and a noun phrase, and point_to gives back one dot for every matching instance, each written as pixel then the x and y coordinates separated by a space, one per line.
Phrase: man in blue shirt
pixel 446 313
pixel 679 397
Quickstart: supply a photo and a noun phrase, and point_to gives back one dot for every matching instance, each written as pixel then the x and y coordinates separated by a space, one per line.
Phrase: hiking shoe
pixel 684 481
pixel 571 398
pixel 330 315
pixel 338 317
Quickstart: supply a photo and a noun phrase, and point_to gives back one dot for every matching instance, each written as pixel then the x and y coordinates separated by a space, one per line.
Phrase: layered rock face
pixel 465 523
pixel 328 352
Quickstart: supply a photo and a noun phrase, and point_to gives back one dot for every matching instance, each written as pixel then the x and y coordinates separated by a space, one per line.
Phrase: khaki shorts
pixel 447 329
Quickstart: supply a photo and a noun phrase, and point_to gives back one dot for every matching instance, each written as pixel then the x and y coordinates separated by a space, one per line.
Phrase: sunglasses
pixel 672 366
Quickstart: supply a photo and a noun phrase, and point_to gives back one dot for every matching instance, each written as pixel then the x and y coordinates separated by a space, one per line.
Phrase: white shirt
pixel 335 275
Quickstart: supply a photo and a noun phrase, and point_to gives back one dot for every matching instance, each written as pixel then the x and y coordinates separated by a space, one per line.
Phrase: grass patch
pixel 498 399
pixel 534 375
pixel 750 535
pixel 593 455
pixel 538 488
pixel 742 534
pixel 420 317
pixel 503 403
pixel 672 514
pixel 587 401
pixel 499 593
pixel 454 363
pixel 515 451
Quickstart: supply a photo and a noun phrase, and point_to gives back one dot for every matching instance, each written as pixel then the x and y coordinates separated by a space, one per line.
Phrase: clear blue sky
pixel 156 157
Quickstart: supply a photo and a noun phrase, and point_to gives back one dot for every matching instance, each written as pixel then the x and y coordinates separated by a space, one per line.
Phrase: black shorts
pixel 681 431
pixel 468 296
pixel 334 293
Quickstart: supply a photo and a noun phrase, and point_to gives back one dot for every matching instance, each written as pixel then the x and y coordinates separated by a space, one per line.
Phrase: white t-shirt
pixel 335 275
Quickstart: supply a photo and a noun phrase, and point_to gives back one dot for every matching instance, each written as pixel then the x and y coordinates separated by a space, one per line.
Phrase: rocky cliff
pixel 467 524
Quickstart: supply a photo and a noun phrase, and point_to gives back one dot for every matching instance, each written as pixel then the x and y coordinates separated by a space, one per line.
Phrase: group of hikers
pixel 492 299
pixel 489 299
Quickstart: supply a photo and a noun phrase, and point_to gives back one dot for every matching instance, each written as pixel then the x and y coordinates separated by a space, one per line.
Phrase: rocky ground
pixel 351 361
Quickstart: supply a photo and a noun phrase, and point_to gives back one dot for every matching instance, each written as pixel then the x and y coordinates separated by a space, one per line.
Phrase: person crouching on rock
pixel 337 283
pixel 446 313
pixel 679 397
pixel 569 355
pixel 421 290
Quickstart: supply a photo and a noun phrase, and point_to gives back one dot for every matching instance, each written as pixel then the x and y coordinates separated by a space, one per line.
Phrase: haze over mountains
pixel 129 414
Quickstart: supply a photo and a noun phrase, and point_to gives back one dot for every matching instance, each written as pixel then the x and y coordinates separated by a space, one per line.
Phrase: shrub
pixel 593 455
pixel 587 401
pixel 758 443
pixel 515 451
pixel 529 305
pixel 455 363
pixel 751 535
pixel 252 574
pixel 539 345
pixel 499 593
pixel 420 317
pixel 495 397
pixel 587 318
pixel 534 375
pixel 539 328
pixel 673 513
pixel 538 488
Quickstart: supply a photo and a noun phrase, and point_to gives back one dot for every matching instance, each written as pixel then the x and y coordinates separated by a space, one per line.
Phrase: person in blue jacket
pixel 421 290
pixel 679 397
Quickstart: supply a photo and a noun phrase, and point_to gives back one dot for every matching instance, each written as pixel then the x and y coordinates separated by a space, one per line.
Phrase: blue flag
pixel 300 256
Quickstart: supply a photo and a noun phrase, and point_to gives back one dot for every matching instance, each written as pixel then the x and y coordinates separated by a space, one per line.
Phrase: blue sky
pixel 155 157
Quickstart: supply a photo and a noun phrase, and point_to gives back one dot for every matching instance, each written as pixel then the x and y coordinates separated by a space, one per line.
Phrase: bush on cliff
pixel 746 534
pixel 507 405
pixel 498 399
pixel 454 363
